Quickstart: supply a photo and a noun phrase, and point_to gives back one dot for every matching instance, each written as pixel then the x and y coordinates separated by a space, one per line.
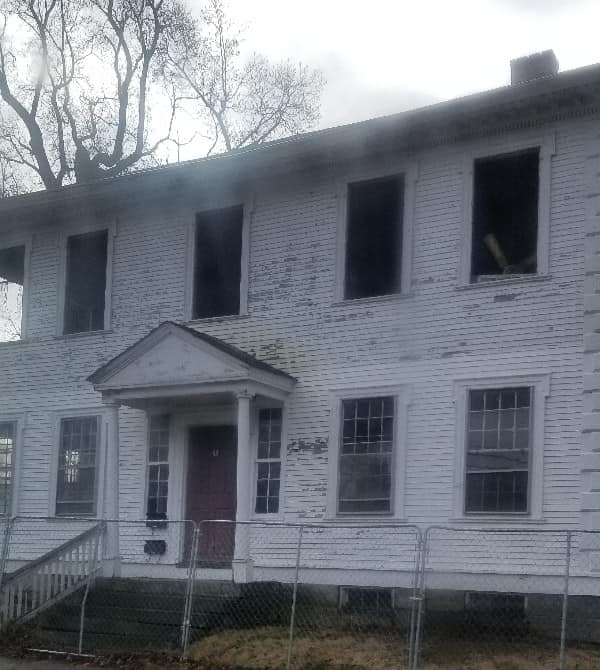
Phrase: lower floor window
pixel 365 465
pixel 268 462
pixel 77 466
pixel 158 466
pixel 7 455
pixel 498 450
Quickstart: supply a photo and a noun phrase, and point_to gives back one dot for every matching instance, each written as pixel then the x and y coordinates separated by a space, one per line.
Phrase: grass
pixel 266 649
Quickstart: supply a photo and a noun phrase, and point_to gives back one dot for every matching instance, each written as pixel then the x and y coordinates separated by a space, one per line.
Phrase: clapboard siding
pixel 436 333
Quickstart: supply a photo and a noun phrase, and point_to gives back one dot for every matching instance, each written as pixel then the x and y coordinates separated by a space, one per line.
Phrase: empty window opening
pixel 85 292
pixel 365 468
pixel 12 279
pixel 7 457
pixel 505 215
pixel 218 263
pixel 498 450
pixel 372 600
pixel 76 481
pixel 374 238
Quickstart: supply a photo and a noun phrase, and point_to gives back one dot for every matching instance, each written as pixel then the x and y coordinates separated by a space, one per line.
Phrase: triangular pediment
pixel 174 355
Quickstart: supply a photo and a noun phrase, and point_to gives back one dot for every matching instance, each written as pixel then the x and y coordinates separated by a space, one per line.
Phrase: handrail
pixel 31 565
pixel 51 577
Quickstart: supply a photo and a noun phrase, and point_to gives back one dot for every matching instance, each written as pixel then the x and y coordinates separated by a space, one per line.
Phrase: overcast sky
pixel 384 56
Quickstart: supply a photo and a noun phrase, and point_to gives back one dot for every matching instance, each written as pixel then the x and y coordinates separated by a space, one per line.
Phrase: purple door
pixel 211 490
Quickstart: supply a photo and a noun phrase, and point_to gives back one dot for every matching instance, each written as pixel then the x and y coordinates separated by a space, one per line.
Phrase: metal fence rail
pixel 295 596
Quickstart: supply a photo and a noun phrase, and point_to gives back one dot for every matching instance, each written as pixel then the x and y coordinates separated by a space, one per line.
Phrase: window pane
pixel 374 237
pixel 12 280
pixel 497 459
pixel 7 445
pixel 217 270
pixel 158 466
pixel 86 282
pixel 268 469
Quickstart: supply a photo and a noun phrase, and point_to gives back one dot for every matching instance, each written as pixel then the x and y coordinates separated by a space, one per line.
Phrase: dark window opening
pixel 218 263
pixel 85 292
pixel 374 238
pixel 12 279
pixel 371 600
pixel 505 215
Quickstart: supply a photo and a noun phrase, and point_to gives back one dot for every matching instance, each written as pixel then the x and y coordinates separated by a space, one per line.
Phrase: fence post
pixel 414 597
pixel 5 546
pixel 565 603
pixel 294 597
pixel 420 600
pixel 189 593
pixel 92 568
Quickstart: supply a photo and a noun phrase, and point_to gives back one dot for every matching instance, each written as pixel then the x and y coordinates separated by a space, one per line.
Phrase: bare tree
pixel 79 79
pixel 75 77
pixel 243 103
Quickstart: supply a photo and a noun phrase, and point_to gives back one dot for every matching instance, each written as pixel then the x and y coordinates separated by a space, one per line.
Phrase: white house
pixel 392 322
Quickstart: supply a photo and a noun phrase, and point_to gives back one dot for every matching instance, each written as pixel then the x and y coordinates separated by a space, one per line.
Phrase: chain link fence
pixel 331 595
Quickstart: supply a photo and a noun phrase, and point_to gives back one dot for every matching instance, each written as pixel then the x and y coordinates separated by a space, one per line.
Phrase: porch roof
pixel 177 361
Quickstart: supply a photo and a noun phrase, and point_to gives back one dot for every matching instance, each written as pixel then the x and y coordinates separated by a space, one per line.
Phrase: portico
pixel 211 392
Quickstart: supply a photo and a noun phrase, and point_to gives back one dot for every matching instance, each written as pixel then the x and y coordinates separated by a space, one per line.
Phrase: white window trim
pixel 540 384
pixel 17 468
pixel 410 173
pixel 547 146
pixel 69 231
pixel 266 403
pixel 401 396
pixel 248 205
pixel 8 242
pixel 103 415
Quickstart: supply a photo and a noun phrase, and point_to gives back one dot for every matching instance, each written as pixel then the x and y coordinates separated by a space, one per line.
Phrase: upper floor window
pixel 365 458
pixel 217 263
pixel 8 431
pixel 268 461
pixel 506 192
pixel 499 436
pixel 85 282
pixel 373 253
pixel 77 466
pixel 12 281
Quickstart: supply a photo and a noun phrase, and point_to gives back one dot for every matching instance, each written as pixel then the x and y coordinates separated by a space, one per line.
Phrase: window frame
pixel 540 390
pixel 261 405
pixel 546 143
pixel 19 422
pixel 70 231
pixel 148 463
pixel 409 172
pixel 8 242
pixel 247 206
pixel 401 395
pixel 101 414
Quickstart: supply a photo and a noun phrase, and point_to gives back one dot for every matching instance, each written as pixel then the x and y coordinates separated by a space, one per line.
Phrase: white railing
pixel 46 580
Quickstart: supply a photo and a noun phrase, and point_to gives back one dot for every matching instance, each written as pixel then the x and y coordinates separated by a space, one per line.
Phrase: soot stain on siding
pixel 318 446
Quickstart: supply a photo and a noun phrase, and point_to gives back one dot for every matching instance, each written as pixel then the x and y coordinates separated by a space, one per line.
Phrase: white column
pixel 111 490
pixel 244 473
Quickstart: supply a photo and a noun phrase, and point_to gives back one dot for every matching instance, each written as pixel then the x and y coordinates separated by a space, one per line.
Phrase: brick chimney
pixel 534 66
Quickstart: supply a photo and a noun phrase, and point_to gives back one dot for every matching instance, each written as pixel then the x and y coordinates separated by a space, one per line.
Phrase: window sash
pixel 76 484
pixel 158 467
pixel 366 455
pixel 498 440
pixel 8 432
pixel 268 461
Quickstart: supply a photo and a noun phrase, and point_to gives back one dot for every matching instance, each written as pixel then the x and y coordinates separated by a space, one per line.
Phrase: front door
pixel 211 491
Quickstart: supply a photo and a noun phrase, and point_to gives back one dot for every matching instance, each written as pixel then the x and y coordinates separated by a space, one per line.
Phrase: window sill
pixel 216 319
pixel 393 297
pixel 89 333
pixel 504 280
pixel 24 340
pixel 496 520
